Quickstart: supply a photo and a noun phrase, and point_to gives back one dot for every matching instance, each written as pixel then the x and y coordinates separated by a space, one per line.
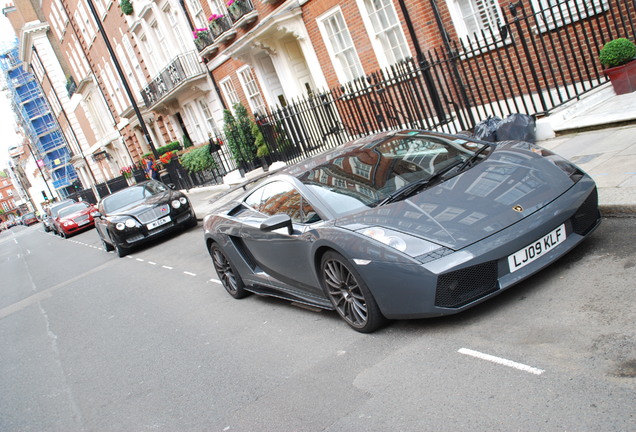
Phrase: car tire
pixel 349 294
pixel 63 235
pixel 107 246
pixel 227 273
pixel 120 250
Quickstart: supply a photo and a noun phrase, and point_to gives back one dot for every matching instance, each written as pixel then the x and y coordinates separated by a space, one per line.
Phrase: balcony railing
pixel 220 25
pixel 239 8
pixel 181 70
pixel 204 40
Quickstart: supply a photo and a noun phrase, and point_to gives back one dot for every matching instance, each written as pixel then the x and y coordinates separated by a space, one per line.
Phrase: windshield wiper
pixel 468 162
pixel 412 188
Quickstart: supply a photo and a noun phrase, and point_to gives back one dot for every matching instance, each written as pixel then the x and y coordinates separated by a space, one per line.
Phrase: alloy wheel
pixel 349 294
pixel 231 281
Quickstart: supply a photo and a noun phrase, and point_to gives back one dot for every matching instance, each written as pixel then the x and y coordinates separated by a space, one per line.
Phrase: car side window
pixel 281 197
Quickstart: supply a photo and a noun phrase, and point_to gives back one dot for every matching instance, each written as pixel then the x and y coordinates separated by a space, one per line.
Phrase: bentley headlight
pixel 183 200
pixel 176 204
pixel 130 223
pixel 120 226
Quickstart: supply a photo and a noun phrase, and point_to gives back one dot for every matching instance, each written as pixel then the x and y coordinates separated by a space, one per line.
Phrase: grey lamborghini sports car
pixel 403 224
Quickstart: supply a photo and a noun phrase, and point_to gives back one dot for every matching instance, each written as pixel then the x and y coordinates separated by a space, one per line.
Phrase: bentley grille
pixel 154 214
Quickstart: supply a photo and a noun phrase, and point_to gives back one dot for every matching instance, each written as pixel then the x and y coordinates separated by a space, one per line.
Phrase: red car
pixel 30 219
pixel 75 218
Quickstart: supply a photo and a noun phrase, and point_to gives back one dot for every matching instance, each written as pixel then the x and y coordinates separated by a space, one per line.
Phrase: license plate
pixel 537 249
pixel 164 220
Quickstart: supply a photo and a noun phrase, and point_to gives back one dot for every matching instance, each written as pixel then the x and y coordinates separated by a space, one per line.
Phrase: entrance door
pixel 299 67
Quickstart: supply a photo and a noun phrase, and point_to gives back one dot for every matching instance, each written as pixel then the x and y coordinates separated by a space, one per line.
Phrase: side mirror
pixel 278 221
pixel 96 215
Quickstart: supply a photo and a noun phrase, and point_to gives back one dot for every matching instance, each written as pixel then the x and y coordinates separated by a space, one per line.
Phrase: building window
pixel 551 14
pixel 386 32
pixel 195 122
pixel 197 14
pixel 470 17
pixel 250 87
pixel 340 46
pixel 205 109
pixel 229 92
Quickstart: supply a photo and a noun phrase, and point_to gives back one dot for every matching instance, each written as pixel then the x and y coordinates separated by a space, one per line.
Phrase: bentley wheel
pixel 227 273
pixel 349 294
pixel 107 246
pixel 120 250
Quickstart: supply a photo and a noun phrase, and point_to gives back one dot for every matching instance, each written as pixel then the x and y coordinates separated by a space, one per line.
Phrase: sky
pixel 7 119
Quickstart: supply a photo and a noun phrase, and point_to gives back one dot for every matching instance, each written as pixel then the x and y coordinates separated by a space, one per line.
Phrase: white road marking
pixel 140 259
pixel 167 267
pixel 501 361
pixel 152 263
pixel 216 281
pixel 189 274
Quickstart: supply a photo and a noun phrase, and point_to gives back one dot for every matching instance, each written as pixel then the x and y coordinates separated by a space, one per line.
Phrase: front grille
pixel 587 215
pixel 154 214
pixel 81 218
pixel 460 287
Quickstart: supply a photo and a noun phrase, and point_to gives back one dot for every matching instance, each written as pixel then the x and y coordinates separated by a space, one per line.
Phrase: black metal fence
pixel 535 61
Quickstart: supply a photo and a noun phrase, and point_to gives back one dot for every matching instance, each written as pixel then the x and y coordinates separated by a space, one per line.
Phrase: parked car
pixel 51 214
pixel 140 213
pixel 29 219
pixel 406 224
pixel 75 218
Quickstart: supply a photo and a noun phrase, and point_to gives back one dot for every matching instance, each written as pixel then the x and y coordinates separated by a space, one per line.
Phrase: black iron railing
pixel 532 63
pixel 220 25
pixel 182 69
pixel 239 8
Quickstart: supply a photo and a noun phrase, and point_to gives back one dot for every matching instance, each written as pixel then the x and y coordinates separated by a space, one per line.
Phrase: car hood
pixel 496 193
pixel 139 207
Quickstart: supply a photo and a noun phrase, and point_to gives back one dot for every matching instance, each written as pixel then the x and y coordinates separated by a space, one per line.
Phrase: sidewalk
pixel 607 152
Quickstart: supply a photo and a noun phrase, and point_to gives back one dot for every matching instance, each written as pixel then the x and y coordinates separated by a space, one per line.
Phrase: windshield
pixel 366 176
pixel 72 209
pixel 132 195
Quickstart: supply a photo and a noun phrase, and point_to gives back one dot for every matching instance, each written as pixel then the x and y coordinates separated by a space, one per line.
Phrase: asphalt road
pixel 92 342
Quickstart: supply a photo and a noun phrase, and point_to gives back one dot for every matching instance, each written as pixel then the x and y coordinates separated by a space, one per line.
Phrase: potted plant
pixel 126 7
pixel 617 56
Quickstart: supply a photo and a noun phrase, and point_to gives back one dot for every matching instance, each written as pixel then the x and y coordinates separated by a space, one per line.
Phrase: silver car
pixel 405 224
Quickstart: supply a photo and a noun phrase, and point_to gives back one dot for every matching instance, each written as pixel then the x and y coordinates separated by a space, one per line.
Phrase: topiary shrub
pixel 198 159
pixel 126 7
pixel 173 146
pixel 238 134
pixel 617 52
pixel 259 141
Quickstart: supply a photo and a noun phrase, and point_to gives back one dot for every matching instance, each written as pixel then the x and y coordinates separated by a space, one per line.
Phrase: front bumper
pixel 131 237
pixel 469 276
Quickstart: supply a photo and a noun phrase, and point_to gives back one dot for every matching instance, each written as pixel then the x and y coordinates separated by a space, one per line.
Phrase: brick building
pixel 186 61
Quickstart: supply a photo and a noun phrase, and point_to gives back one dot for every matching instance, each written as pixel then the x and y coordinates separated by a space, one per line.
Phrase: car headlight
pixel 564 165
pixel 128 223
pixel 67 223
pixel 390 240
pixel 176 204
pixel 183 200
pixel 410 245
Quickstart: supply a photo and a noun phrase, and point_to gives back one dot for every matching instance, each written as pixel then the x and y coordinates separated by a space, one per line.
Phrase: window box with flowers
pixel 218 24
pixel 202 38
pixel 242 12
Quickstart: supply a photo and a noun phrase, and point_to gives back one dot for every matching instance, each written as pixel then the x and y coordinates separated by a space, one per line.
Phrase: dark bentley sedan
pixel 404 224
pixel 140 213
